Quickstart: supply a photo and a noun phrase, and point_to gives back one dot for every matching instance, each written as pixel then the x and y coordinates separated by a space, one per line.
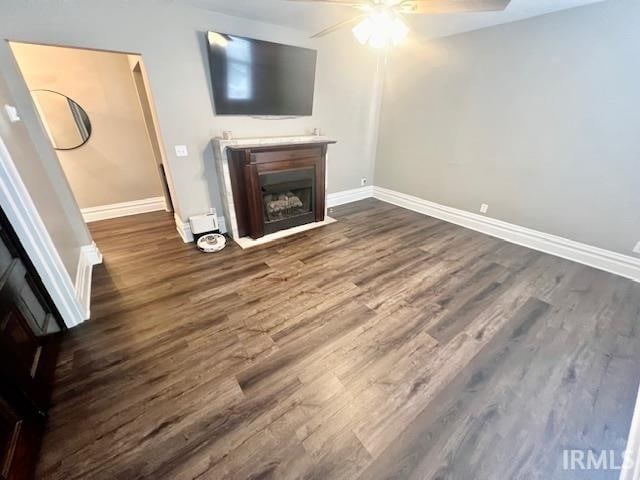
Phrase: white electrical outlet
pixel 484 208
pixel 181 151
pixel 363 181
pixel 637 248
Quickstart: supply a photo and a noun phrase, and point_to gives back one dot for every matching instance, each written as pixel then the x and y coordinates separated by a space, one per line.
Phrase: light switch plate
pixel 181 151
pixel 12 113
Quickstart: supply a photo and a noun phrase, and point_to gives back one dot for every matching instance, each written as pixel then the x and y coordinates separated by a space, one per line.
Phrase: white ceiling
pixel 312 17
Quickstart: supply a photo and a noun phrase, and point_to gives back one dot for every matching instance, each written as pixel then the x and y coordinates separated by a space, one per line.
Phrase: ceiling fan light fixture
pixel 362 31
pixel 399 31
pixel 381 29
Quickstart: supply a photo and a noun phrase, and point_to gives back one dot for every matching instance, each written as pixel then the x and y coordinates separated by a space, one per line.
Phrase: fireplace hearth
pixel 277 187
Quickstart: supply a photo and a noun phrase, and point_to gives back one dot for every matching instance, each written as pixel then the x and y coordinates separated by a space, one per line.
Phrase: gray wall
pixel 45 181
pixel 170 38
pixel 540 119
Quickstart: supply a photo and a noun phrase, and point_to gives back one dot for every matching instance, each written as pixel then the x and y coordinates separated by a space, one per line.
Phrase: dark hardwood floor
pixel 387 345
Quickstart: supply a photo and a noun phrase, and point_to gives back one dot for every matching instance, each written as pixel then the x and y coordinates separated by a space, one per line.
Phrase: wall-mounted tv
pixel 254 77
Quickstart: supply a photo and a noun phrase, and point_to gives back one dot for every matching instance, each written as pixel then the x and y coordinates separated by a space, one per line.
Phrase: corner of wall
pixel 377 100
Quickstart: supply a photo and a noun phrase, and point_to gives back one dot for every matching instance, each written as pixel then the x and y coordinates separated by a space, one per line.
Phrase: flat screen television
pixel 254 77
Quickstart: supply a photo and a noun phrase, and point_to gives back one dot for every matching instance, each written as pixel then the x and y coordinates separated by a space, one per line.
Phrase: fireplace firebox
pixel 287 199
pixel 277 187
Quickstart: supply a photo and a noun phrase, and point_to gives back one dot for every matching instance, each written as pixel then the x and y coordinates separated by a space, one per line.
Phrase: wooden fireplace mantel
pixel 248 162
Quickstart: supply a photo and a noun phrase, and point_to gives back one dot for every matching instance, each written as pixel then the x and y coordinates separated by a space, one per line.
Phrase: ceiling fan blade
pixel 337 26
pixel 452 6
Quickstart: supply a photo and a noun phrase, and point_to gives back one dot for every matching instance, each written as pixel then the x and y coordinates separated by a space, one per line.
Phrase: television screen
pixel 254 77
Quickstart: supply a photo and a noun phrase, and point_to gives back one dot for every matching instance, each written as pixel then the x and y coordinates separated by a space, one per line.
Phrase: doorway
pixel 148 112
pixel 97 110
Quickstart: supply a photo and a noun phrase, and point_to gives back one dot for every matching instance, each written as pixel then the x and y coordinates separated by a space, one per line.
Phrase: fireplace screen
pixel 287 198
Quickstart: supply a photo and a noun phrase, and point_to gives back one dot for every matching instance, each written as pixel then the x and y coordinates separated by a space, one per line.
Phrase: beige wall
pixel 117 163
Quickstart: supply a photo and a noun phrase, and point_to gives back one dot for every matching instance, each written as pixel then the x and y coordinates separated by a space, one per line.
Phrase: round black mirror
pixel 66 122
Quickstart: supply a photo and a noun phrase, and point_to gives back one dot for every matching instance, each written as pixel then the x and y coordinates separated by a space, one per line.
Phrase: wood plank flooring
pixel 387 345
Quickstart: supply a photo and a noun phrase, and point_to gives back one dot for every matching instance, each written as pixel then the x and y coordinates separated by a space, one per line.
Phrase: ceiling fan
pixel 380 22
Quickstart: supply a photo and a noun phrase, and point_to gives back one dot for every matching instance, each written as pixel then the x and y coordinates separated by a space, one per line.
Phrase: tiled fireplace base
pixel 248 242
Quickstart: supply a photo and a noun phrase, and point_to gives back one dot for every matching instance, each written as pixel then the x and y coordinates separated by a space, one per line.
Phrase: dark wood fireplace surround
pixel 247 165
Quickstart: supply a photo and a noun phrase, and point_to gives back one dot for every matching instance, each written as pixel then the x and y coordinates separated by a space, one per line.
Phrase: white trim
pixel 599 258
pixel 89 256
pixel 631 464
pixel 35 239
pixel 184 228
pixel 348 196
pixel 116 210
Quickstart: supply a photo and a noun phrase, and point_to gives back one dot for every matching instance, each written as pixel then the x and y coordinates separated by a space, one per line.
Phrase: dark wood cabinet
pixel 21 343
pixel 10 426
pixel 20 436
pixel 28 351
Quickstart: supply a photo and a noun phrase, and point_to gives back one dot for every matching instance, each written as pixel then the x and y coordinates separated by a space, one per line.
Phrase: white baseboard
pixel 612 262
pixel 348 196
pixel 599 258
pixel 89 256
pixel 116 210
pixel 184 228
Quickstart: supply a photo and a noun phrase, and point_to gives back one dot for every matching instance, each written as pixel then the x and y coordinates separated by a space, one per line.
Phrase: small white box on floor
pixel 203 224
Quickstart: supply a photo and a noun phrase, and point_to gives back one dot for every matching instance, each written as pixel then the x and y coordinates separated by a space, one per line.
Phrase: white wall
pixel 540 119
pixel 171 39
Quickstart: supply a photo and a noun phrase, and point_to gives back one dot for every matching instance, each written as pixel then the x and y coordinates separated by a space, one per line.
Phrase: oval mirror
pixel 66 122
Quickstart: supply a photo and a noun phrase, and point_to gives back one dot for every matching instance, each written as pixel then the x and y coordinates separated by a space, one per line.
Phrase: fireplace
pixel 277 187
pixel 287 199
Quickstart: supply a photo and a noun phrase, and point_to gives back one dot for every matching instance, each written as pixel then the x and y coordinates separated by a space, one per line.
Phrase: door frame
pixel 150 116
